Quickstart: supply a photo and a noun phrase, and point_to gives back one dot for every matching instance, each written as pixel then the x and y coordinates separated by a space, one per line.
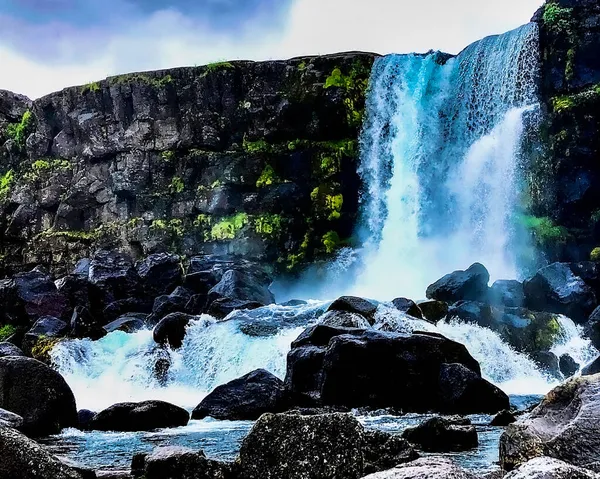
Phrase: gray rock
pixel 443 434
pixel 9 349
pixel 182 463
pixel 425 468
pixel 550 468
pixel 354 304
pixel 468 285
pixel 344 319
pixel 9 419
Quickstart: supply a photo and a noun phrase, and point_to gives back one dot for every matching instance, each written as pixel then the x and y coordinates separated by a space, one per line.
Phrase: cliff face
pixel 250 158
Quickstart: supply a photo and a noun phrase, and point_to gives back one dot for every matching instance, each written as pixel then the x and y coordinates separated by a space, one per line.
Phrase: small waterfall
pixel 440 157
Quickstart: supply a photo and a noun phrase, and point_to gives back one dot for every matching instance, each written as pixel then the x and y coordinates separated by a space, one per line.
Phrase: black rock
pixel 181 463
pixel 85 325
pixel 142 416
pixel 9 349
pixel 243 286
pixel 568 366
pixel 503 419
pixel 114 274
pixel 408 306
pixel 294 302
pixel 200 283
pixel 433 310
pixel 468 285
pixel 10 419
pixel 592 368
pixel 38 293
pixel 472 312
pixel 85 416
pixel 160 273
pixel 45 327
pixel 196 304
pixel 353 304
pixel 222 307
pixel 121 307
pixel 129 323
pixel 507 293
pixel 344 319
pixel 592 328
pixel 38 394
pixel 176 302
pixel 556 289
pixel 440 434
pixel 171 329
pixel 547 362
pixel 245 398
pixel 383 450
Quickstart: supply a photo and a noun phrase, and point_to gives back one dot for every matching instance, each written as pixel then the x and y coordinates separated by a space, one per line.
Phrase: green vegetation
pixel 330 203
pixel 355 85
pixel 7 331
pixel 595 254
pixel 259 146
pixel 546 336
pixel 561 104
pixel 268 225
pixel 217 66
pixel 18 132
pixel 544 230
pixel 168 156
pixel 43 347
pixel 6 182
pixel 229 227
pixel 90 87
pixel 267 177
pixel 557 18
pixel 173 226
pixel 570 67
pixel 141 78
pixel 302 66
pixel 46 165
pixel 295 259
pixel 176 186
pixel 135 222
pixel 331 240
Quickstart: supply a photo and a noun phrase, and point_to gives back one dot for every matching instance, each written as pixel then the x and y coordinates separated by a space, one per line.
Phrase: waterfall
pixel 440 158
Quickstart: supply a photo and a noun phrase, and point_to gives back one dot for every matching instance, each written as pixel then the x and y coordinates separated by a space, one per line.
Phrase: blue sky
pixel 46 45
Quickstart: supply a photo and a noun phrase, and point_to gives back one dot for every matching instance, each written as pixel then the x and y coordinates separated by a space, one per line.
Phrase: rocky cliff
pixel 257 159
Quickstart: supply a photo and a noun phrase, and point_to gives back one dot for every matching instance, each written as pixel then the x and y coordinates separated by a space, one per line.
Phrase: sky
pixel 46 45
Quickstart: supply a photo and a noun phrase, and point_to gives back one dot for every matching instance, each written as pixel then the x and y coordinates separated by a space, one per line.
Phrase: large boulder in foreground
pixel 38 394
pixel 354 304
pixel 142 416
pixel 425 468
pixel 245 398
pixel 295 447
pixel 557 289
pixel 181 463
pixel 23 458
pixel 550 468
pixel 468 285
pixel 443 434
pixel 171 329
pixel 566 426
pixel 343 367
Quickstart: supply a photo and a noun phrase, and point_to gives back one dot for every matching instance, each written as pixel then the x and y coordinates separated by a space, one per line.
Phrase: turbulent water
pixel 440 155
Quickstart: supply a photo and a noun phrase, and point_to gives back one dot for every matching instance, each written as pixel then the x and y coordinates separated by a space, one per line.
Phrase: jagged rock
pixel 45 327
pixel 245 398
pixel 592 368
pixel 200 282
pixel 39 295
pixel 565 426
pixel 129 323
pixel 344 319
pixel 341 367
pixel 121 307
pixel 547 362
pixel 171 329
pixel 115 276
pixel 241 285
pixel 427 467
pixel 9 349
pixel 550 468
pixel 85 416
pixel 164 305
pixel 294 302
pixel 508 293
pixel 556 289
pixel 592 328
pixel 503 418
pixel 10 419
pixel 38 394
pixel 468 285
pixel 433 310
pixel 23 458
pixel 222 307
pixel 440 434
pixel 383 450
pixel 472 312
pixel 568 366
pixel 84 325
pixel 182 463
pixel 289 445
pixel 142 416
pixel 353 304
pixel 160 273
pixel 408 306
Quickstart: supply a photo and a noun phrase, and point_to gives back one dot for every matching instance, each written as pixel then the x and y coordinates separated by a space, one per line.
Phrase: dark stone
pixel 507 293
pixel 23 458
pixel 160 273
pixel 9 349
pixel 196 304
pixel 222 307
pixel 341 367
pixel 550 468
pixel 39 295
pixel 472 312
pixel 440 434
pixel 503 419
pixel 434 467
pixel 241 285
pixel 344 319
pixel 200 283
pixel 352 304
pixel 10 419
pixel 294 302
pixel 181 463
pixel 85 416
pixel 468 285
pixel 171 329
pixel 383 450
pixel 592 368
pixel 176 302
pixel 245 398
pixel 556 289
pixel 142 416
pixel 547 362
pixel 291 446
pixel 38 394
pixel 408 306
pixel 568 366
pixel 129 323
pixel 114 275
pixel 45 327
pixel 592 328
pixel 121 307
pixel 433 310
pixel 85 325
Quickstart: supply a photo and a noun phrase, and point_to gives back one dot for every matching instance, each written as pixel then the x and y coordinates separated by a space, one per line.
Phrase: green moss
pixel 562 103
pixel 595 254
pixel 546 336
pixel 90 87
pixel 268 225
pixel 44 166
pixel 7 331
pixel 558 19
pixel 168 156
pixel 141 78
pixel 6 183
pixel 267 177
pixel 217 66
pixel 544 230
pixel 355 85
pixel 174 226
pixel 18 132
pixel 302 66
pixel 259 146
pixel 229 227
pixel 135 223
pixel 331 203
pixel 43 347
pixel 331 241
pixel 176 186
pixel 215 184
pixel 570 66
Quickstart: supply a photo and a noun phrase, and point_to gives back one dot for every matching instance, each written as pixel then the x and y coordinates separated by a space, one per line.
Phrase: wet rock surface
pixel 142 416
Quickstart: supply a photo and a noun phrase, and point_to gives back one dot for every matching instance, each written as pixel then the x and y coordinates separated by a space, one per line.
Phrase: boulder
pixel 433 310
pixel 9 349
pixel 84 417
pixel 222 307
pixel 45 327
pixel 425 468
pixel 292 446
pixel 171 329
pixel 568 366
pixel 408 306
pixel 10 419
pixel 38 394
pixel 160 273
pixel 565 426
pixel 547 362
pixel 383 450
pixel 592 368
pixel 342 367
pixel 503 419
pixel 142 416
pixel 23 458
pixel 592 328
pixel 121 307
pixel 38 293
pixel 200 282
pixel 353 304
pixel 114 275
pixel 344 319
pixel 468 285
pixel 129 323
pixel 182 463
pixel 245 398
pixel 550 468
pixel 556 289
pixel 507 293
pixel 440 434
pixel 242 285
pixel 473 312
pixel 85 325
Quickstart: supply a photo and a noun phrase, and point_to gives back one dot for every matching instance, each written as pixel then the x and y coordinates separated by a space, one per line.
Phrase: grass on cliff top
pixel 558 18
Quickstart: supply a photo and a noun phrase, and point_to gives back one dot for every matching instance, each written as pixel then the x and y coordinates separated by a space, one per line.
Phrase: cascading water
pixel 440 159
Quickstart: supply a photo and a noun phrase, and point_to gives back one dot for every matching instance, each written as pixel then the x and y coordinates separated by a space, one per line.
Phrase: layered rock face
pixel 257 159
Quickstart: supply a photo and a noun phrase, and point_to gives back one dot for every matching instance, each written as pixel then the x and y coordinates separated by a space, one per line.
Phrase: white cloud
pixel 167 39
